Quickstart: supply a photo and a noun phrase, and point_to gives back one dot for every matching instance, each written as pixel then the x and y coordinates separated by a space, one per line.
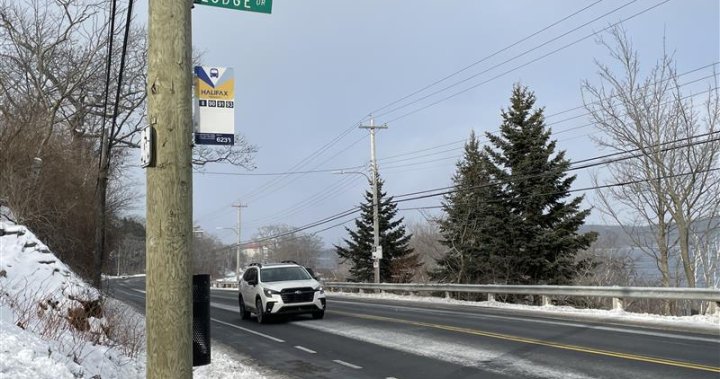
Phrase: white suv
pixel 279 288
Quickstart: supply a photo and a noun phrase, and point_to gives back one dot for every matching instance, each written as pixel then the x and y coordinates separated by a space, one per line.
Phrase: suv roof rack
pixel 255 264
pixel 289 261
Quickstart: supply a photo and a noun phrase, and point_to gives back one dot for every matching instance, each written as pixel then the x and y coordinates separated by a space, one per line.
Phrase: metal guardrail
pixel 616 293
pixel 223 284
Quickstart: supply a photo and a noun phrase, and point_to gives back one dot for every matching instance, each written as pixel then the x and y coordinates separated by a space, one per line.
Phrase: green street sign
pixel 262 6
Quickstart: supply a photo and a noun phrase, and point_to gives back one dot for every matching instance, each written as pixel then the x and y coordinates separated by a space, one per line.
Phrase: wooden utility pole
pixel 169 192
pixel 377 250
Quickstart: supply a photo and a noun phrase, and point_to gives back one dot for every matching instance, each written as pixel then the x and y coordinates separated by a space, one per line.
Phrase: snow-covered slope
pixel 54 325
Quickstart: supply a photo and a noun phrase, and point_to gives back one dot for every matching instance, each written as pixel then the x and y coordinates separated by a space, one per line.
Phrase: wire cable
pixel 485 58
pixel 113 131
pixel 715 134
pixel 519 66
pixel 108 69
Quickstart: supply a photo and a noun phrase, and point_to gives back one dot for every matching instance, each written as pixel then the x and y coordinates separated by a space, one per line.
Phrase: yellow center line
pixel 533 341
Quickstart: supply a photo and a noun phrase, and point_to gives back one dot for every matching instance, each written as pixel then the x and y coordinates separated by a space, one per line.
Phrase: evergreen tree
pixel 540 226
pixel 398 263
pixel 472 215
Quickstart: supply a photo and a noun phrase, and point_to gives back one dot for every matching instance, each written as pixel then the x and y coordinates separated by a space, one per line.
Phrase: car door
pixel 247 290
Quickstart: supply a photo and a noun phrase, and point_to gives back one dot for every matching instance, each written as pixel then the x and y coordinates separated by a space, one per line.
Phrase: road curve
pixel 362 338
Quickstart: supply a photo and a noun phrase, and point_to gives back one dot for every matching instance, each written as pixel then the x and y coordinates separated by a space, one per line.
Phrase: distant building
pixel 255 252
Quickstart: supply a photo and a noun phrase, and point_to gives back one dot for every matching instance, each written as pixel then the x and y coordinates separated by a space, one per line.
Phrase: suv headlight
pixel 320 289
pixel 269 292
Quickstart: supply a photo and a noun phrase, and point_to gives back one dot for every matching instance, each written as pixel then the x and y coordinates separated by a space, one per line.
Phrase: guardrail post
pixel 447 295
pixel 360 290
pixel 545 301
pixel 617 304
pixel 491 297
pixel 713 307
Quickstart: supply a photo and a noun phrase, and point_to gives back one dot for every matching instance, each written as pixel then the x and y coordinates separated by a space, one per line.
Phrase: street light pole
pixel 239 207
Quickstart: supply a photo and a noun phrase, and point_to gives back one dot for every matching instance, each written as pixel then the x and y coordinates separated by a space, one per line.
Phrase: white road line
pixel 248 330
pixel 225 307
pixel 136 290
pixel 347 364
pixel 305 349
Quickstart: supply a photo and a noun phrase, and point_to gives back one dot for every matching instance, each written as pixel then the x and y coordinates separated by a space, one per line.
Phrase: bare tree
pixel 706 245
pixel 57 51
pixel 284 244
pixel 53 76
pixel 673 181
pixel 609 263
pixel 425 242
pixel 208 256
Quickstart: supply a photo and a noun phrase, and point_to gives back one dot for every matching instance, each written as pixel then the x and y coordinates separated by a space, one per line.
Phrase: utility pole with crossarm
pixel 377 249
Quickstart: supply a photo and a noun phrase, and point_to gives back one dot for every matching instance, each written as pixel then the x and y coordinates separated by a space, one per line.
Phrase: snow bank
pixel 52 323
pixel 39 294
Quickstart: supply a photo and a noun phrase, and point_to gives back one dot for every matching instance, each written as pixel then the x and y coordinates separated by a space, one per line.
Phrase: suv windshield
pixel 277 274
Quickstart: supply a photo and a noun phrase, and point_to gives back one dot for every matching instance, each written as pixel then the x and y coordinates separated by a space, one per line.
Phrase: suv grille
pixel 297 295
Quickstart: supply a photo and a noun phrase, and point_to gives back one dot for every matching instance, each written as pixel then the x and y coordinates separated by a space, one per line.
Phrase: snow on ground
pixel 710 323
pixel 39 294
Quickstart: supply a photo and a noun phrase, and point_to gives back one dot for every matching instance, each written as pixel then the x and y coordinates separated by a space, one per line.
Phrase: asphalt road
pixel 384 339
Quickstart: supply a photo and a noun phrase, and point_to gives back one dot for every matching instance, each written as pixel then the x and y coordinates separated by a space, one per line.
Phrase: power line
pixel 306 160
pixel 108 69
pixel 455 189
pixel 486 58
pixel 585 189
pixel 113 132
pixel 298 207
pixel 505 61
pixel 322 195
pixel 633 154
pixel 389 159
pixel 299 229
pixel 555 132
pixel 296 166
pixel 486 140
pixel 280 173
pixel 259 191
pixel 325 147
pixel 714 75
pixel 649 84
pixel 330 158
pixel 394 161
pixel 423 150
pixel 626 19
pixel 566 111
pixel 278 180
pixel 518 67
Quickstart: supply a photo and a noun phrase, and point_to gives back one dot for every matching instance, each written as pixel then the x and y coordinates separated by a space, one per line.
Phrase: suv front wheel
pixel 261 318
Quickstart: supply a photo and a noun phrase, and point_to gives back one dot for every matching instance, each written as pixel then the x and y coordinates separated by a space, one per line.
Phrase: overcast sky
pixel 310 72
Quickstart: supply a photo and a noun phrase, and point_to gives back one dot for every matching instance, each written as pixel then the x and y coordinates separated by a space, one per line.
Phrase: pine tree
pixel 471 218
pixel 398 263
pixel 541 225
